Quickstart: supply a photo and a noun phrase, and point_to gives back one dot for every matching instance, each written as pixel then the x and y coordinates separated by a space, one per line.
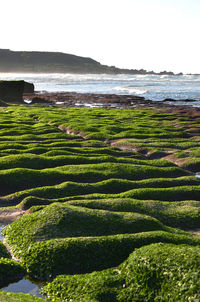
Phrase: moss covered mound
pixel 86 254
pixel 13 297
pixel 102 183
pixel 180 214
pixel 3 251
pixel 48 234
pixel 62 220
pixel 18 179
pixel 10 271
pixel 157 272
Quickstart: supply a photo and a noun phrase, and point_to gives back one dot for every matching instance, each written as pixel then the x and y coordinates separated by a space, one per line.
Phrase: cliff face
pixel 57 62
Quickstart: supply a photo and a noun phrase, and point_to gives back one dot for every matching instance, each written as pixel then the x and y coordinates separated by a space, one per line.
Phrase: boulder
pixel 28 87
pixel 12 91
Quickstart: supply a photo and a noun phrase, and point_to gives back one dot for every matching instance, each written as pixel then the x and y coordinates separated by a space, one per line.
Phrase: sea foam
pixel 154 87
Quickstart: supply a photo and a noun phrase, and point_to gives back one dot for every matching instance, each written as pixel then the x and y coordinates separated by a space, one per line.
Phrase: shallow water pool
pixel 25 285
pixel 1 228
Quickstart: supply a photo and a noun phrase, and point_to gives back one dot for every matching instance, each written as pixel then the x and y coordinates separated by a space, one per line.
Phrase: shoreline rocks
pixel 74 99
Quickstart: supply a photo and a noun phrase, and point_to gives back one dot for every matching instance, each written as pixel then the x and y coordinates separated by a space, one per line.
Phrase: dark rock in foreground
pixel 12 91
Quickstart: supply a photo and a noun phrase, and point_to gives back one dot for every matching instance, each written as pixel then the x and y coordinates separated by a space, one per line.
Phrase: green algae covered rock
pixel 3 251
pixel 70 239
pixel 19 297
pixel 105 202
pixel 61 220
pixel 179 214
pixel 157 272
pixel 10 271
pixel 87 254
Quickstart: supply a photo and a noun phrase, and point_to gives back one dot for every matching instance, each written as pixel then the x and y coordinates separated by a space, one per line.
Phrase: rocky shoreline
pixel 73 99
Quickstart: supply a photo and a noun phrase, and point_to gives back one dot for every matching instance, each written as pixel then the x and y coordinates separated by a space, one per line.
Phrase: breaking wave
pixel 152 87
pixel 131 90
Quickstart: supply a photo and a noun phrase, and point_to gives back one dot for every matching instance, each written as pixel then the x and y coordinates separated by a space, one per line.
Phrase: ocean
pixel 153 87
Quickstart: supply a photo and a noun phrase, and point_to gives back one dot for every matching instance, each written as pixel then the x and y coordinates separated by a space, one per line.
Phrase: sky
pixel 136 34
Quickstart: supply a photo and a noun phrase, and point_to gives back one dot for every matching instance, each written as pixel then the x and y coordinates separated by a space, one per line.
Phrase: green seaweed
pixel 157 272
pixel 10 271
pixel 97 184
pixel 19 297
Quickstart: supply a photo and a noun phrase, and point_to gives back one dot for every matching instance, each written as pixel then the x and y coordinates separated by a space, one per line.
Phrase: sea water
pixel 153 87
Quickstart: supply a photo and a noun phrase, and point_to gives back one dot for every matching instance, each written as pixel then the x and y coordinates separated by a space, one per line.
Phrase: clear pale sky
pixel 150 34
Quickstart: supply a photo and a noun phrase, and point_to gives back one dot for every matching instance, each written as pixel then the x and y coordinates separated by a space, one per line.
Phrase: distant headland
pixel 57 62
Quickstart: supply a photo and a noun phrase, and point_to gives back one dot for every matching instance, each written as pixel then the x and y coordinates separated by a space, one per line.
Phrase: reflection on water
pixel 2 225
pixel 24 286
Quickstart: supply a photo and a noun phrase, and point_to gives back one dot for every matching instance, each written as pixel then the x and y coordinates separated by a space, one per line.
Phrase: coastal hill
pixel 57 62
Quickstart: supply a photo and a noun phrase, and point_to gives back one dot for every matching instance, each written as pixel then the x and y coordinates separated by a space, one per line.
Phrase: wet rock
pixel 74 99
pixel 181 100
pixel 39 100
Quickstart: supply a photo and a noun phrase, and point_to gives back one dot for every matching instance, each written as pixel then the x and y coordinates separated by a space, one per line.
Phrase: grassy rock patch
pixel 3 251
pixel 182 214
pixel 86 254
pixel 157 272
pixel 62 220
pixel 10 271
pixel 102 183
pixel 13 297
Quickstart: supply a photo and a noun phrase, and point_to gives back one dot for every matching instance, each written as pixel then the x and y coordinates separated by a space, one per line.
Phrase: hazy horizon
pixel 153 35
pixel 22 71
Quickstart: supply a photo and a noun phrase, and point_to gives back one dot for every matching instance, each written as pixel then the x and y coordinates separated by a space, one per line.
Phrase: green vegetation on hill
pixel 38 61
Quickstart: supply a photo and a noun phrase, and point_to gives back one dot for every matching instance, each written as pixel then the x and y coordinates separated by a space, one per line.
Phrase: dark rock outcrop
pixel 12 91
pixel 180 100
pixel 28 87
